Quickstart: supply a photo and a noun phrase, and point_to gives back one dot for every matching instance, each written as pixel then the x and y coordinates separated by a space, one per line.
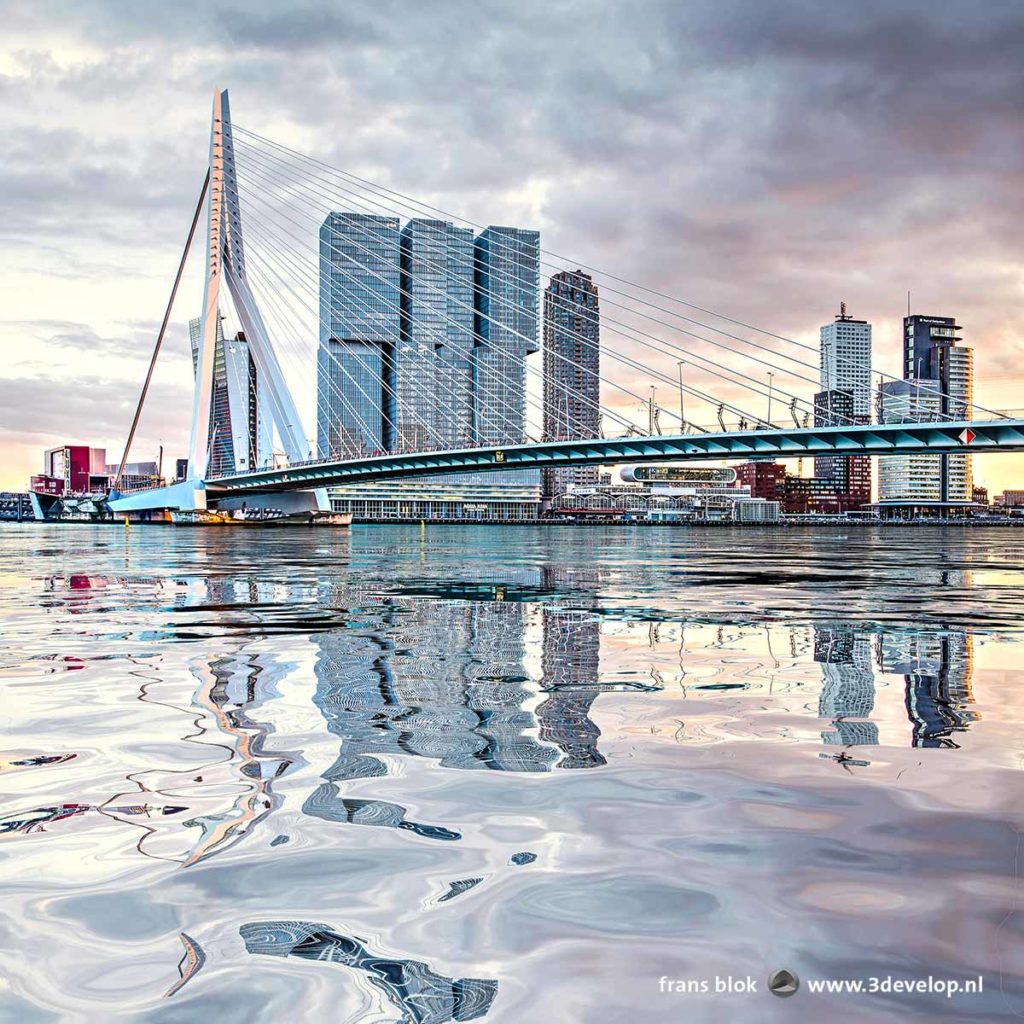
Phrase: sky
pixel 767 160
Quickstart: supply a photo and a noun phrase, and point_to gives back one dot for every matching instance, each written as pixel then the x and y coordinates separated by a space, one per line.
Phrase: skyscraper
pixel 359 334
pixel 572 383
pixel 939 379
pixel 845 398
pixel 846 360
pixel 433 367
pixel 507 273
pixel 424 332
pixel 240 436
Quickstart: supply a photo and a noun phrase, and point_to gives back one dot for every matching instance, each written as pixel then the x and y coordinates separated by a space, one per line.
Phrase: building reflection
pixel 449 680
pixel 937 669
pixel 570 661
pixel 848 691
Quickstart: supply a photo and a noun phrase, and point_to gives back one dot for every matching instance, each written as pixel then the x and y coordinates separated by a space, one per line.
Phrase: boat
pixel 199 517
pixel 259 517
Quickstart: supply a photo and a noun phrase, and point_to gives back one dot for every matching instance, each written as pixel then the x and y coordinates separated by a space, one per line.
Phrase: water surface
pixel 508 774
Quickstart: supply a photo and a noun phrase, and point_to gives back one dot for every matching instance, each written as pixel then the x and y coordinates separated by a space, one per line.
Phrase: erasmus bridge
pixel 266 260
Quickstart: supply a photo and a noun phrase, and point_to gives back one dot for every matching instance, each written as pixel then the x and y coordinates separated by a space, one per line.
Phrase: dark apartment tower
pixel 572 366
pixel 931 352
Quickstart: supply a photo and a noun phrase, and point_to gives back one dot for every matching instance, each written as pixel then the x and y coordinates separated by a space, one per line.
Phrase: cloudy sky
pixel 766 159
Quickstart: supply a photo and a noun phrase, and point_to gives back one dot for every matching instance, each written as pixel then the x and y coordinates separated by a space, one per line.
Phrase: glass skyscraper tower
pixel 938 384
pixel 434 362
pixel 507 282
pixel 359 334
pixel 572 383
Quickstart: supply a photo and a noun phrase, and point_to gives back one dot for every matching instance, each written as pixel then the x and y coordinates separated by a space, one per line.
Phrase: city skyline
pixel 680 238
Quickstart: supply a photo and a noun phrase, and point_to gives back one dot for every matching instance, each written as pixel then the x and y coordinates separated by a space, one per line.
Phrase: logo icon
pixel 966 435
pixel 783 983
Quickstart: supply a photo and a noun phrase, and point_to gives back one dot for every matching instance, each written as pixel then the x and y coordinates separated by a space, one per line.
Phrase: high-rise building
pixel 912 479
pixel 424 333
pixel 845 398
pixel 851 474
pixel 572 383
pixel 360 328
pixel 846 360
pixel 433 366
pixel 507 281
pixel 938 385
pixel 240 437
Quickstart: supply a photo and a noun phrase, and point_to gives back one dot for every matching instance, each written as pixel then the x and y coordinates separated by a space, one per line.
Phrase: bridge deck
pixel 1006 435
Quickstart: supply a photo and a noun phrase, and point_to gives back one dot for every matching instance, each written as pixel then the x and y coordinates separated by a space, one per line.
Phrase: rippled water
pixel 508 774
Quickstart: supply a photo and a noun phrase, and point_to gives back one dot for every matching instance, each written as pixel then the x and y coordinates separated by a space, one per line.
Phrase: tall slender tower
pixel 572 382
pixel 434 361
pixel 507 271
pixel 845 398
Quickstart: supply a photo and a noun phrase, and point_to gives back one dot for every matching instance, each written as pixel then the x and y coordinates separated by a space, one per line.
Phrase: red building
pixel 765 479
pixel 72 469
pixel 802 495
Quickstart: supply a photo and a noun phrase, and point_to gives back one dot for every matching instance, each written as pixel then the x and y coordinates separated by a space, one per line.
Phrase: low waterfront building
pixel 502 496
pixel 802 495
pixel 72 469
pixel 1010 499
pixel 658 493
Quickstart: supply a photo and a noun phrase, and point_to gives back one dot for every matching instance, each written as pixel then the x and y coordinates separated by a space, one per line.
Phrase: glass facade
pixel 433 364
pixel 239 436
pixel 501 495
pixel 359 334
pixel 507 282
pixel 931 353
pixel 572 383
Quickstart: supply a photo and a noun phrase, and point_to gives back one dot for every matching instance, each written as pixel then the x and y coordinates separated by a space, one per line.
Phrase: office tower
pixel 507 272
pixel 424 332
pixel 909 479
pixel 433 367
pixel 845 398
pixel 359 334
pixel 848 694
pixel 931 353
pixel 572 383
pixel 240 436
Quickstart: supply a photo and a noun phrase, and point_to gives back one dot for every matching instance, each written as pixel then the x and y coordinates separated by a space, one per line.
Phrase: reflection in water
pixel 937 670
pixel 477 716
pixel 848 694
pixel 190 964
pixel 422 995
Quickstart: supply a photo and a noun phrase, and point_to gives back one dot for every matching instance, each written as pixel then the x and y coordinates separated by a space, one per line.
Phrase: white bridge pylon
pixel 225 263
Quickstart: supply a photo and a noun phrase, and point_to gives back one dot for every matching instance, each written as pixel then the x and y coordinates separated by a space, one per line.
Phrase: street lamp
pixel 650 413
pixel 770 376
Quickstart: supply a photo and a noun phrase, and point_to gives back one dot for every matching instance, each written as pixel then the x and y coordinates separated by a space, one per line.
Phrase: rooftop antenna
pixel 908 302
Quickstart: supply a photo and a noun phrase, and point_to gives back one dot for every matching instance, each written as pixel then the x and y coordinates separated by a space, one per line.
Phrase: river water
pixel 510 774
